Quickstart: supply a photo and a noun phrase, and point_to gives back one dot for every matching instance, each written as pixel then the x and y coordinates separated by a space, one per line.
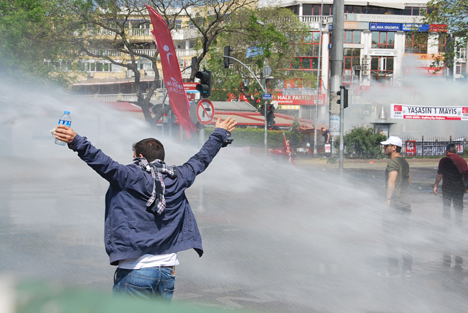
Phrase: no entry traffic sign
pixel 205 111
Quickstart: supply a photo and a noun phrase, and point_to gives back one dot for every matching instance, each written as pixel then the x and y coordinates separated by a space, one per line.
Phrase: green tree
pixel 105 24
pixel 361 142
pixel 278 34
pixel 294 136
pixel 35 41
pixel 452 13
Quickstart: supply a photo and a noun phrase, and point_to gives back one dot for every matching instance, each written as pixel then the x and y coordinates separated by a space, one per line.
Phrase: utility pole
pixel 318 81
pixel 336 70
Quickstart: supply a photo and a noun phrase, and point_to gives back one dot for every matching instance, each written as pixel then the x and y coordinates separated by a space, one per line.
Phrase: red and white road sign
pixel 205 111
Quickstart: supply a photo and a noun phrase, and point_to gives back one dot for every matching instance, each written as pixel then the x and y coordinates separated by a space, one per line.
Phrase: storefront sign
pixel 351 25
pixel 438 28
pixel 382 52
pixel 299 99
pixel 415 27
pixel 190 87
pixel 416 112
pixel 385 27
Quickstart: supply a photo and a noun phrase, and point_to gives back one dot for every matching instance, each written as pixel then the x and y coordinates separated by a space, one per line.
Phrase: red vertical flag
pixel 180 104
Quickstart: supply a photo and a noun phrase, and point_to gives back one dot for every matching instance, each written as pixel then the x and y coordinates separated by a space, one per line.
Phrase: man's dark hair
pixel 150 148
pixel 451 148
pixel 398 149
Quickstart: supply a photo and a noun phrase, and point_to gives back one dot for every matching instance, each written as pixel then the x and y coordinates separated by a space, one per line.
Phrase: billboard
pixel 431 113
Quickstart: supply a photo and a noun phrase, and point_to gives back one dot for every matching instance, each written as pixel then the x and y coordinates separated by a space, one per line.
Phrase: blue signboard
pixel 267 96
pixel 385 27
pixel 409 27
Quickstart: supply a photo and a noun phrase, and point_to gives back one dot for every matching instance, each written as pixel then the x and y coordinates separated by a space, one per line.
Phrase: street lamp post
pixel 263 86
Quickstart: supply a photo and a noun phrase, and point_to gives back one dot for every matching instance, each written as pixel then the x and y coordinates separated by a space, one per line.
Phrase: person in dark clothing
pixel 450 171
pixel 397 210
pixel 148 218
pixel 327 139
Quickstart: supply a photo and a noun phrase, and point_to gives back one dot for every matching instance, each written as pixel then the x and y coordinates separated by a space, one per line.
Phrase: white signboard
pixel 420 112
pixel 383 52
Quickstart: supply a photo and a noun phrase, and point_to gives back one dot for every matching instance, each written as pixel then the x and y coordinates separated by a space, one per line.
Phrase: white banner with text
pixel 428 113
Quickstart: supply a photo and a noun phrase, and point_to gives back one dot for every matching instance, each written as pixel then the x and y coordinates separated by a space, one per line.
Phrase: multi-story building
pixel 386 48
pixel 109 82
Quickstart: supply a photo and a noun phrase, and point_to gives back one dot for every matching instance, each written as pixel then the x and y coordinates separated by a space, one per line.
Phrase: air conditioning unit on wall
pixel 365 72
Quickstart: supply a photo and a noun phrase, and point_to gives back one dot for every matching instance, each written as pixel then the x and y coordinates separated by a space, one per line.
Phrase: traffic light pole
pixel 342 104
pixel 336 111
pixel 264 91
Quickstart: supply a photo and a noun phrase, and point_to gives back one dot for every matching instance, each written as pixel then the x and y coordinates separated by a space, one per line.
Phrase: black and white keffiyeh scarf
pixel 156 168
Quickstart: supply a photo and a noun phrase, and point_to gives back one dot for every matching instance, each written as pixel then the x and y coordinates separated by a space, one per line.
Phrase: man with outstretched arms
pixel 148 218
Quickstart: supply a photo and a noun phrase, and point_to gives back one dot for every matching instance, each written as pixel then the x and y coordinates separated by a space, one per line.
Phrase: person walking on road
pixel 148 218
pixel 397 211
pixel 451 170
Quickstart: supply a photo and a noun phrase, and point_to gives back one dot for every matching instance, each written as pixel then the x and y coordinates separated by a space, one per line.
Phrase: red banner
pixel 438 28
pixel 180 105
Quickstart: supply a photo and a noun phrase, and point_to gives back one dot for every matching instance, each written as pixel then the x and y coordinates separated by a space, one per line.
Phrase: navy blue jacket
pixel 132 229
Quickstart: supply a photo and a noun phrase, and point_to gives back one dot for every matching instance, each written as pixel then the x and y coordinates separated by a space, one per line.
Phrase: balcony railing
pixel 105 52
pixel 116 97
pixel 150 52
pixel 315 19
pixel 139 32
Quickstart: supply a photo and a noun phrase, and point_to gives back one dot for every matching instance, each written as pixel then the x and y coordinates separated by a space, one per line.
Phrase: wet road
pixel 276 239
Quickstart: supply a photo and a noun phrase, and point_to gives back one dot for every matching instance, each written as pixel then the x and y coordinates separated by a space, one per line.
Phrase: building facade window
pixel 442 42
pixel 307 53
pixel 294 9
pixel 381 70
pixel 352 36
pixel 383 40
pixel 416 43
pixel 351 58
pixel 314 9
pixel 98 66
pixel 414 11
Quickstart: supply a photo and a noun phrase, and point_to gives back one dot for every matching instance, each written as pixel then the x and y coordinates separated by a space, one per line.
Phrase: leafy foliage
pixel 254 137
pixel 34 32
pixel 361 142
pixel 295 137
pixel 103 25
pixel 272 30
pixel 452 13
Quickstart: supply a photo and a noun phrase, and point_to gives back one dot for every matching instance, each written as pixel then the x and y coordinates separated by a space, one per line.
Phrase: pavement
pixel 362 163
pixel 276 238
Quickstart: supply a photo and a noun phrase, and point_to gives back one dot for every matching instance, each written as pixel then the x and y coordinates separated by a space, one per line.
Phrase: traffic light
pixel 227 53
pixel 262 110
pixel 204 87
pixel 270 116
pixel 343 93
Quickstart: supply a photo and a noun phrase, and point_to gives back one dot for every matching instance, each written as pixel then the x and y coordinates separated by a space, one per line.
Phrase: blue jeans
pixel 151 282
